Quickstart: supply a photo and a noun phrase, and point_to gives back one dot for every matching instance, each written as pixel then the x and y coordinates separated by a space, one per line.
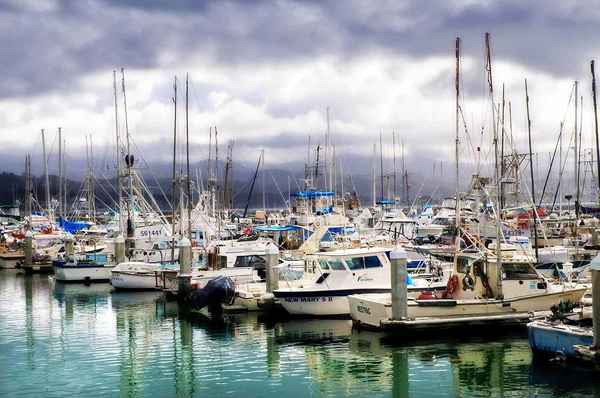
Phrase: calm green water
pixel 73 340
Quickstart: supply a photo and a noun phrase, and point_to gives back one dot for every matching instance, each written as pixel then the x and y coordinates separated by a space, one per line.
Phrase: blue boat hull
pixel 549 340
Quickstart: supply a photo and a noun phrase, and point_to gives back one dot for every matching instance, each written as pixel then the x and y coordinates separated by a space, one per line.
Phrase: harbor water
pixel 60 340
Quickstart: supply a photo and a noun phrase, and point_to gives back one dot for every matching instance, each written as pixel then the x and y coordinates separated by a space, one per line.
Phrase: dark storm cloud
pixel 49 48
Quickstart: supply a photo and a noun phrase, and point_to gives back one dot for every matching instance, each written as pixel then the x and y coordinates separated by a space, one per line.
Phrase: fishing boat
pixel 242 260
pixel 82 268
pixel 333 276
pixel 477 289
pixel 136 275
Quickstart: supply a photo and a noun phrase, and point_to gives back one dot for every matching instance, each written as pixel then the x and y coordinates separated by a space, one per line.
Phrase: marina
pixel 316 199
pixel 143 346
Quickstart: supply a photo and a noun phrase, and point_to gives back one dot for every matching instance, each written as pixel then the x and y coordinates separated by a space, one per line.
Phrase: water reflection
pixel 68 339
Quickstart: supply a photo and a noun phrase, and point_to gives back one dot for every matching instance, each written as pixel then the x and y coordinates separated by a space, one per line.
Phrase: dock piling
pixel 272 257
pixel 399 284
pixel 28 249
pixel 69 246
pixel 596 305
pixel 185 265
pixel 119 249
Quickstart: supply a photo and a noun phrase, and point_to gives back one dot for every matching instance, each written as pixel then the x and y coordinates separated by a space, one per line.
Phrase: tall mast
pixel 404 176
pixel 374 190
pixel 118 152
pixel 174 177
pixel 575 154
pixel 394 155
pixel 531 170
pixel 264 173
pixel 187 159
pixel 327 154
pixel 381 162
pixel 577 199
pixel 48 204
pixel 596 124
pixel 497 174
pixel 129 163
pixel 502 150
pixel 28 186
pixel 60 176
pixel 216 165
pixel 64 173
pixel 456 155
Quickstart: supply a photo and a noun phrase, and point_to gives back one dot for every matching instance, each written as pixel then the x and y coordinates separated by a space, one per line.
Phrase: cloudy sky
pixel 264 73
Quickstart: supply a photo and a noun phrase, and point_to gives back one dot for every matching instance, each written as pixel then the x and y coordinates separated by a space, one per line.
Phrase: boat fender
pixel 451 286
pixel 468 282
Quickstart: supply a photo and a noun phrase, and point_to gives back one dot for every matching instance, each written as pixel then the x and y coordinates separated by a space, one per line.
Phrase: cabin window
pixel 324 265
pixel 250 261
pixel 518 271
pixel 364 262
pixel 356 263
pixel 372 262
pixel 336 265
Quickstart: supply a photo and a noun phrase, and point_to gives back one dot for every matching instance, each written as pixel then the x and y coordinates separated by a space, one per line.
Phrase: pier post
pixel 596 304
pixel 119 249
pixel 69 246
pixel 28 249
pixel 185 265
pixel 272 257
pixel 399 275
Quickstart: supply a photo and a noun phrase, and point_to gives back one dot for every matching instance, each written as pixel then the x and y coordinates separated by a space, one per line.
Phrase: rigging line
pixel 279 190
pixel 561 171
pixel 551 165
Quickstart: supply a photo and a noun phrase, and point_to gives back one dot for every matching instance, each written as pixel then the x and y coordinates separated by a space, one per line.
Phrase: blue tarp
pixel 72 226
pixel 386 202
pixel 313 194
pixel 277 228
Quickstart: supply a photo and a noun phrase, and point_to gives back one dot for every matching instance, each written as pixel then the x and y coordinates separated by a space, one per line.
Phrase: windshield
pixel 363 262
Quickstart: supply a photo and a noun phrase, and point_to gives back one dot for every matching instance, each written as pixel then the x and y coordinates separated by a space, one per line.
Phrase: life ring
pixel 451 285
pixel 468 282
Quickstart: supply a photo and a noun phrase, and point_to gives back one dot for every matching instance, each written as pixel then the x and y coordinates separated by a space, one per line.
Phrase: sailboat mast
pixel 577 199
pixel 374 190
pixel 531 171
pixel 47 179
pixel 596 124
pixel 129 164
pixel 503 131
pixel 118 152
pixel 381 162
pixel 498 275
pixel 174 176
pixel 394 156
pixel 60 176
pixel 264 173
pixel 28 186
pixel 576 154
pixel 456 155
pixel 187 158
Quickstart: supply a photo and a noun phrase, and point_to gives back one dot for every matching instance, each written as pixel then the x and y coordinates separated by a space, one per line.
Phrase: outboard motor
pixel 220 290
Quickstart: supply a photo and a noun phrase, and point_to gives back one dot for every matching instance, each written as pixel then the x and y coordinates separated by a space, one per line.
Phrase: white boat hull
pixel 316 306
pixel 133 281
pixel 82 274
pixel 371 309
